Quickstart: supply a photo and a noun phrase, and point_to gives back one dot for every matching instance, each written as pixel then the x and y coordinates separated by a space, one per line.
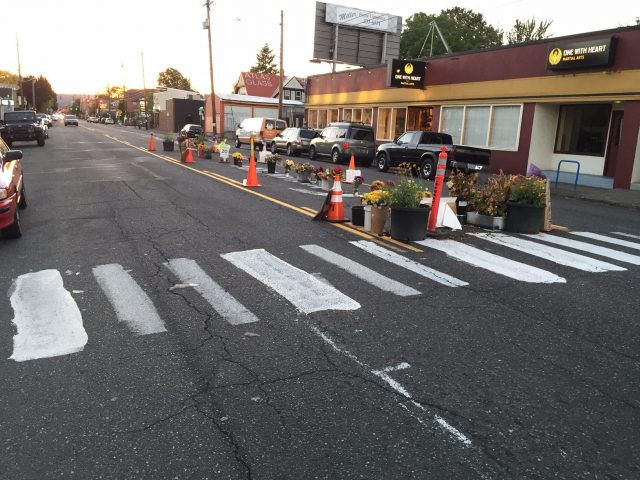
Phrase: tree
pixel 46 98
pixel 264 61
pixel 172 78
pixel 528 30
pixel 8 77
pixel 462 28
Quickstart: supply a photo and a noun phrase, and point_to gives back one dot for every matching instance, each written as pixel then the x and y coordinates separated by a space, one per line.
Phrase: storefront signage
pixel 585 54
pixel 408 74
pixel 354 17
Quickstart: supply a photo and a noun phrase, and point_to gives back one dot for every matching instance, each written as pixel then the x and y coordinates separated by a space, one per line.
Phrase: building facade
pixel 570 98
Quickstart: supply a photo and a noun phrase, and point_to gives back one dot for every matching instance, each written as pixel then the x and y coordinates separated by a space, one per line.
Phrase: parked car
pixel 263 130
pixel 422 149
pixel 293 141
pixel 45 127
pixel 12 192
pixel 44 118
pixel 22 126
pixel 340 140
pixel 191 130
pixel 109 121
pixel 70 120
pixel 92 119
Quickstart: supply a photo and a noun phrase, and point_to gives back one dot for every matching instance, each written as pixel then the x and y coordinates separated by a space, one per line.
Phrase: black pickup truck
pixel 422 149
pixel 22 126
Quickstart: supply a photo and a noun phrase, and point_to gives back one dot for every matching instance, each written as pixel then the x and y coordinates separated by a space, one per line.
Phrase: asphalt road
pixel 217 348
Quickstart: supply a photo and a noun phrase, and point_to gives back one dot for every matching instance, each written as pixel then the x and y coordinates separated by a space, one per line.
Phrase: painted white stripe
pixel 604 238
pixel 302 289
pixel 493 263
pixel 403 262
pixel 190 273
pixel 562 257
pixel 637 237
pixel 47 318
pixel 360 271
pixel 587 247
pixel 391 382
pixel 131 304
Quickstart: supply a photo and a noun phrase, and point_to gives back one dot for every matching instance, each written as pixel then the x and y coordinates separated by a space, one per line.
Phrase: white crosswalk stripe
pixel 404 262
pixel 47 318
pixel 557 255
pixel 630 235
pixel 302 289
pixel 493 263
pixel 604 238
pixel 587 247
pixel 130 302
pixel 360 271
pixel 188 271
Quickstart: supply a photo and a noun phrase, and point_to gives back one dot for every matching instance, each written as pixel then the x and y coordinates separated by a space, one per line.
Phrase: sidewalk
pixel 616 196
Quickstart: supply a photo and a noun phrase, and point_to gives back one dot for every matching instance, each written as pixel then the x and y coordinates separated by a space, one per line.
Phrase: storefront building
pixel 570 98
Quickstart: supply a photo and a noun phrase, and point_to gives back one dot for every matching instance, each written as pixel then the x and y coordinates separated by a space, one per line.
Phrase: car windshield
pixel 70 117
pixel 308 134
pixel 19 117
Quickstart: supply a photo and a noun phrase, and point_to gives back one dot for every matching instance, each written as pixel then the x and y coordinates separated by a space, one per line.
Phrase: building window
pixel 287 94
pixel 363 115
pixel 488 126
pixel 298 95
pixel 582 129
pixel 391 123
pixel 320 118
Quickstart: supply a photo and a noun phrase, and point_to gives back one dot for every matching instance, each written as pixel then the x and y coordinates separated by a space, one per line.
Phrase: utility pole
pixel 144 90
pixel 124 101
pixel 19 73
pixel 213 95
pixel 281 93
pixel 33 92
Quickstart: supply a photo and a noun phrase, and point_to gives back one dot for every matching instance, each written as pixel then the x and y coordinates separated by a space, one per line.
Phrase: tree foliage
pixel 264 61
pixel 46 98
pixel 172 78
pixel 462 28
pixel 528 30
pixel 8 77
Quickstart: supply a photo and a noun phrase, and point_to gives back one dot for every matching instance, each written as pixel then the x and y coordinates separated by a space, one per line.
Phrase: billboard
pixel 354 36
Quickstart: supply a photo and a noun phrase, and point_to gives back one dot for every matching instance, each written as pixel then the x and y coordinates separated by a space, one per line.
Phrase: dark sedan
pixel 293 141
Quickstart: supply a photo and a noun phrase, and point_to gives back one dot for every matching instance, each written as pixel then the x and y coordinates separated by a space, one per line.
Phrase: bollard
pixel 437 188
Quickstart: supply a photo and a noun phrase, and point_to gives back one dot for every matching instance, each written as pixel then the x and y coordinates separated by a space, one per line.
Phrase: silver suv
pixel 340 140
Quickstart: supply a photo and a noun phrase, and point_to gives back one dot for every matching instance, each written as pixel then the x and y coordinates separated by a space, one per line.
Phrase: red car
pixel 12 193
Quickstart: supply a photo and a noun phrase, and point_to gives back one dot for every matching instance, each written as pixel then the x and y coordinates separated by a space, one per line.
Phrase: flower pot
pixel 524 218
pixel 367 218
pixel 325 185
pixel 357 215
pixel 271 167
pixel 304 177
pixel 409 224
pixel 286 173
pixel 167 146
pixel 378 218
pixel 461 210
pixel 207 154
pixel 235 161
pixel 486 221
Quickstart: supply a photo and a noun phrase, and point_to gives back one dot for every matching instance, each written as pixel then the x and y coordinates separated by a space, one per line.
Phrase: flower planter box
pixel 524 218
pixel 486 221
pixel 271 167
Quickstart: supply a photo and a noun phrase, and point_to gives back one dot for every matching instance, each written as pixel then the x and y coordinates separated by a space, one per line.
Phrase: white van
pixel 263 130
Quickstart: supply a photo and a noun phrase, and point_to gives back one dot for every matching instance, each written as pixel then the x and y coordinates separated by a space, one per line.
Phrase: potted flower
pixel 461 185
pixel 324 177
pixel 408 217
pixel 357 181
pixel 237 158
pixel 525 207
pixel 304 171
pixel 288 164
pixel 337 171
pixel 167 143
pixel 272 159
pixel 376 201
pixel 489 202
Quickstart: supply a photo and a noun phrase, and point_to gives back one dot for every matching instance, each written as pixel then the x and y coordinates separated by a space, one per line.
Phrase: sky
pixel 82 46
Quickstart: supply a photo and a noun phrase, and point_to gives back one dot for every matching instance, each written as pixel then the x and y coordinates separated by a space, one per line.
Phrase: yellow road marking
pixel 308 212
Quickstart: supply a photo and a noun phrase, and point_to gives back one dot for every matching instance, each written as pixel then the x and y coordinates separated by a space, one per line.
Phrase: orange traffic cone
pixel 188 156
pixel 252 175
pixel 152 145
pixel 336 207
pixel 352 162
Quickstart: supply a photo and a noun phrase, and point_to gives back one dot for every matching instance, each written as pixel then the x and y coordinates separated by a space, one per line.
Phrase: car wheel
pixel 41 142
pixel 312 153
pixel 22 204
pixel 382 162
pixel 335 155
pixel 15 229
pixel 274 149
pixel 238 143
pixel 289 151
pixel 427 169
